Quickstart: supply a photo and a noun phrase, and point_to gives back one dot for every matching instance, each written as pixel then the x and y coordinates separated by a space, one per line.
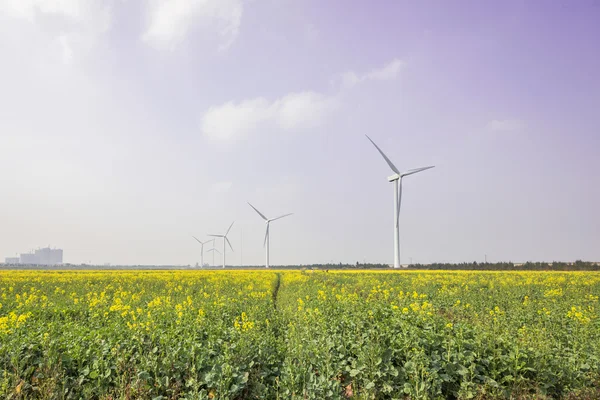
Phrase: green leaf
pixel 387 354
pixel 144 375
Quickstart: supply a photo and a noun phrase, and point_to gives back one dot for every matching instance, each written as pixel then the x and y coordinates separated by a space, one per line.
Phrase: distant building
pixel 28 259
pixel 45 256
pixel 48 256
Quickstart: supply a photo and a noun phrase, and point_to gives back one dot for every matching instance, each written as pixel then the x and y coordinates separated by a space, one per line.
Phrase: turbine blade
pixel 266 235
pixel 392 166
pixel 196 239
pixel 229 228
pixel 215 235
pixel 286 215
pixel 259 213
pixel 229 243
pixel 415 170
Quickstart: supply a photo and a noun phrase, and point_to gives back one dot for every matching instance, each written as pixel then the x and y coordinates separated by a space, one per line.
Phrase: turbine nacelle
pixel 394 177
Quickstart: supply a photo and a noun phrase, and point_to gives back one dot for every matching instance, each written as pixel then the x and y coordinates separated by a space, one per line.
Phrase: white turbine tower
pixel 225 240
pixel 202 250
pixel 268 222
pixel 397 179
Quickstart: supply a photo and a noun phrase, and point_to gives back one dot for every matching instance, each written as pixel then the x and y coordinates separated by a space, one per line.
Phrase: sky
pixel 127 126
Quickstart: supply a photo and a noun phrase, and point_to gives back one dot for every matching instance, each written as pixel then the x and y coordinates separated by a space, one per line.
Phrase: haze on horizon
pixel 126 127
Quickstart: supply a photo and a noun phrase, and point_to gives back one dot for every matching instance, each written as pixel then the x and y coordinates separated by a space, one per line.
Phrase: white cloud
pixel 388 72
pixel 350 79
pixel 73 26
pixel 169 22
pixel 302 109
pixel 76 15
pixel 295 110
pixel 506 125
pixel 230 119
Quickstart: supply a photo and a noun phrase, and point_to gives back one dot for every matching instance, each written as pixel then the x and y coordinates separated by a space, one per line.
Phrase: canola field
pixel 299 335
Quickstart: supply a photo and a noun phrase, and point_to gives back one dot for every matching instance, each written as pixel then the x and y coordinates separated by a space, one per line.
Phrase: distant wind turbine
pixel 213 250
pixel 397 179
pixel 268 222
pixel 202 250
pixel 225 240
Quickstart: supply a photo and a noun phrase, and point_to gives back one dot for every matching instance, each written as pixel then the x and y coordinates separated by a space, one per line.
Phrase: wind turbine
pixel 202 250
pixel 267 221
pixel 225 240
pixel 214 250
pixel 397 179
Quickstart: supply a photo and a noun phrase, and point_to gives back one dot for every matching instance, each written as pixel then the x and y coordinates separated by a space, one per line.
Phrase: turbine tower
pixel 225 240
pixel 202 250
pixel 213 250
pixel 267 221
pixel 397 179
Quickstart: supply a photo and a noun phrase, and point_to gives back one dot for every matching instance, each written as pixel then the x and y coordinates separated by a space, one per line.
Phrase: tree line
pixel 578 265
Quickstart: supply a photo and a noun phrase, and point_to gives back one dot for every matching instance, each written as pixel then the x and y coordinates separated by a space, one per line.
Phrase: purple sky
pixel 128 126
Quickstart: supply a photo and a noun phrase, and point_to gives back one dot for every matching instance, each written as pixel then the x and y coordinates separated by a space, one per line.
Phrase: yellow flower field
pixel 299 334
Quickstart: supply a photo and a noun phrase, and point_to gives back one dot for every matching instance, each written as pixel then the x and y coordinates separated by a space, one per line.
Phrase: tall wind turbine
pixel 202 250
pixel 225 240
pixel 397 179
pixel 267 221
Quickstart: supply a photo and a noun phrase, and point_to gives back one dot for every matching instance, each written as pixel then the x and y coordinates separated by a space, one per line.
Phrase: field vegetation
pixel 299 335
